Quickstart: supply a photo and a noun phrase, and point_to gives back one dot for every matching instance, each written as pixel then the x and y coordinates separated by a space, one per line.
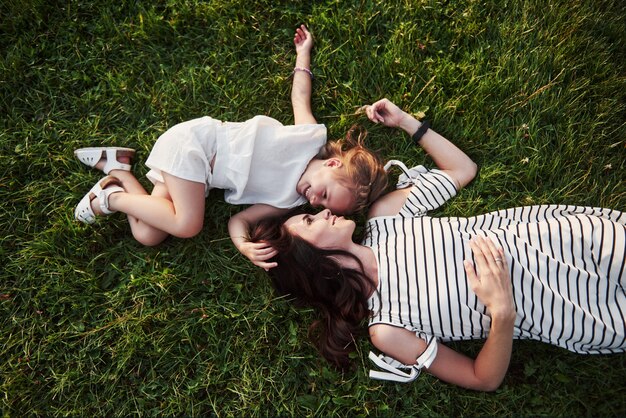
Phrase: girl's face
pixel 324 188
pixel 323 230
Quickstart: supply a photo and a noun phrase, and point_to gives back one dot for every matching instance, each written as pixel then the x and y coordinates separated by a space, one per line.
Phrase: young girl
pixel 260 162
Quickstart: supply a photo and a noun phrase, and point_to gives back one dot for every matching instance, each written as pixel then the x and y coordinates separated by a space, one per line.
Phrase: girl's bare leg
pixel 143 232
pixel 175 207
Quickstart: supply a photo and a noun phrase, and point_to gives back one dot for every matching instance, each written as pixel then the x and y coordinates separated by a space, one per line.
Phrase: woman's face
pixel 323 230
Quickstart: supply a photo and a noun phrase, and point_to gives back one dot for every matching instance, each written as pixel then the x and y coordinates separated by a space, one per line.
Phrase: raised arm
pixel 447 156
pixel 486 372
pixel 239 227
pixel 302 78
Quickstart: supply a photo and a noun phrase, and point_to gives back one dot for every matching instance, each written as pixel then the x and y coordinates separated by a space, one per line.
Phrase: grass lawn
pixel 94 324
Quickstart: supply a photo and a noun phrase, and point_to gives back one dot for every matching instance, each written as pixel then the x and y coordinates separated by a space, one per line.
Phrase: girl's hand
pixel 385 112
pixel 303 40
pixel 259 253
pixel 492 285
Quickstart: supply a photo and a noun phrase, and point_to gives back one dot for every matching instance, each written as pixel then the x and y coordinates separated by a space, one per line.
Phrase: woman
pixel 551 273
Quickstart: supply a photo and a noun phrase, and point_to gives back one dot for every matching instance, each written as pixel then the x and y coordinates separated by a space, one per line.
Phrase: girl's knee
pixel 188 233
pixel 146 234
pixel 180 228
pixel 149 238
pixel 189 229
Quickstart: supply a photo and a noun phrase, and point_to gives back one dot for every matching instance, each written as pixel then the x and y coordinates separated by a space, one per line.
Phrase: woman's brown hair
pixel 315 279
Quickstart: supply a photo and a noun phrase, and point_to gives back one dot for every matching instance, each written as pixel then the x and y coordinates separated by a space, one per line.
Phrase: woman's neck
pixel 368 259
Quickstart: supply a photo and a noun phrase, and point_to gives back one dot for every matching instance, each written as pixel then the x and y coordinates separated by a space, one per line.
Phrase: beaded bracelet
pixel 417 136
pixel 306 70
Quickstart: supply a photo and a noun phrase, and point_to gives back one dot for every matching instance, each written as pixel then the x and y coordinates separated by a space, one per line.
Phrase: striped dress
pixel 567 265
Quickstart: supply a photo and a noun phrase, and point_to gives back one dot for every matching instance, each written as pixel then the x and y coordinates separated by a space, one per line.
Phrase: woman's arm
pixel 302 78
pixel 447 156
pixel 486 372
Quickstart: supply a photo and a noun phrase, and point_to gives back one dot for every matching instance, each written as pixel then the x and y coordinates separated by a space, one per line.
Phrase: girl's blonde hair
pixel 364 171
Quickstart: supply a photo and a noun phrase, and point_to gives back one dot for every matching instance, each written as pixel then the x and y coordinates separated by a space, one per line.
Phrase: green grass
pixel 92 323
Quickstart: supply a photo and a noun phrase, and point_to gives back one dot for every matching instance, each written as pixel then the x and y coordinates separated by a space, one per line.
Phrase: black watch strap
pixel 417 136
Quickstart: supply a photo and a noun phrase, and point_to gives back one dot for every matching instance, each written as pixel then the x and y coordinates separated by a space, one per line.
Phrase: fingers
pixel 470 271
pixel 265 266
pixel 259 253
pixel 492 250
pixel 302 33
pixel 262 252
pixel 500 259
pixel 492 281
pixel 487 254
pixel 479 254
pixel 265 251
pixel 371 115
pixel 376 111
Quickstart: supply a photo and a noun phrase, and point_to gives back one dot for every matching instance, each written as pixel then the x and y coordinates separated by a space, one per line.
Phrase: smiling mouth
pixel 306 193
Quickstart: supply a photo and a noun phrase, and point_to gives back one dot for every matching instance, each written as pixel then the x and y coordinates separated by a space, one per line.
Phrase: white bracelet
pixel 306 70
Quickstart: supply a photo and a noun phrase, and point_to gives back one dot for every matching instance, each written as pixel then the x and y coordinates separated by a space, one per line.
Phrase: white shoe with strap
pixel 103 189
pixel 91 156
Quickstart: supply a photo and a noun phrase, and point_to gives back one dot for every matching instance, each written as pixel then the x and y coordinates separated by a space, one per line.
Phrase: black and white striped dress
pixel 567 265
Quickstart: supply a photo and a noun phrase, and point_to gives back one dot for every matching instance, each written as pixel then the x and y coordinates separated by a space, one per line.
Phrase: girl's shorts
pixel 185 151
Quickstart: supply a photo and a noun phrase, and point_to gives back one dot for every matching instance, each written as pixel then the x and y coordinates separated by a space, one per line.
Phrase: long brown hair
pixel 364 170
pixel 314 278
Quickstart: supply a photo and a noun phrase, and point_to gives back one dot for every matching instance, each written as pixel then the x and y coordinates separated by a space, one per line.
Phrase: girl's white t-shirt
pixel 261 160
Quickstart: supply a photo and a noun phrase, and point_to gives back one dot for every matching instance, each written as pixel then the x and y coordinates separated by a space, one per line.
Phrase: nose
pixel 325 214
pixel 316 198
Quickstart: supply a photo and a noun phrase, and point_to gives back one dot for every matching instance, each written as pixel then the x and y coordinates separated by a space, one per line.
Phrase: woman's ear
pixel 333 162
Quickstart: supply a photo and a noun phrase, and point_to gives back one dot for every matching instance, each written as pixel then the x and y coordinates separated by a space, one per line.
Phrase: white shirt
pixel 262 160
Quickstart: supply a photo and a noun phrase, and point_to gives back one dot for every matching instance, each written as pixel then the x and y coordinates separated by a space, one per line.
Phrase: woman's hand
pixel 303 40
pixel 385 112
pixel 493 287
pixel 448 158
pixel 492 284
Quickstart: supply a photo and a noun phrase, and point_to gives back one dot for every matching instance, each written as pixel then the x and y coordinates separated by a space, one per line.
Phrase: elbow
pixel 467 174
pixel 488 382
pixel 490 386
pixel 482 384
pixel 472 171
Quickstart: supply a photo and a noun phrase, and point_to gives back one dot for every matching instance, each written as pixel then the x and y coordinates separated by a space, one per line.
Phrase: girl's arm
pixel 238 227
pixel 302 78
pixel 389 204
pixel 239 224
pixel 447 156
pixel 486 372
